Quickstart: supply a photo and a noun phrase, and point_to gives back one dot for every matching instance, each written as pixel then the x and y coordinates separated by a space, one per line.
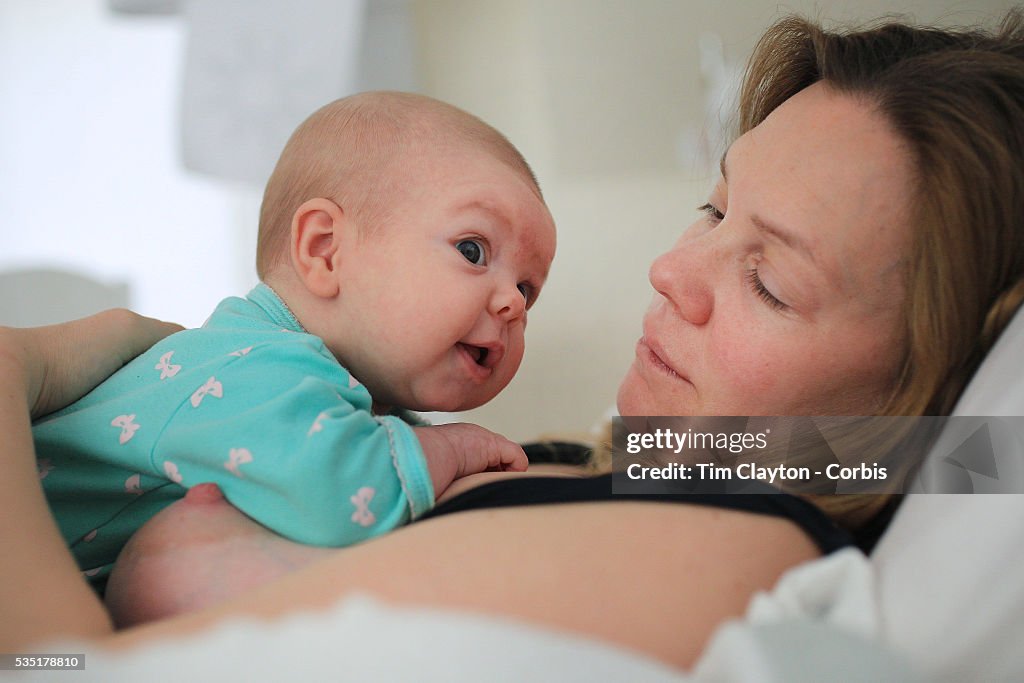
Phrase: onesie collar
pixel 267 299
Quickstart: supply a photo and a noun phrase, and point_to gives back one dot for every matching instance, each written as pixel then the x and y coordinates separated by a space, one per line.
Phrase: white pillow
pixel 998 386
pixel 948 567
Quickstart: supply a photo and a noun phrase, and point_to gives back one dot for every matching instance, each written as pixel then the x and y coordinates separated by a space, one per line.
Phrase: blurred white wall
pixel 89 176
pixel 604 97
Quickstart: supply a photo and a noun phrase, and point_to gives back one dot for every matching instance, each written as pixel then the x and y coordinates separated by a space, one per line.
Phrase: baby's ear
pixel 315 240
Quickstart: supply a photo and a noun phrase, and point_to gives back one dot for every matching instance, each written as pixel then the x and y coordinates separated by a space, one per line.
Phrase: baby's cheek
pixel 514 355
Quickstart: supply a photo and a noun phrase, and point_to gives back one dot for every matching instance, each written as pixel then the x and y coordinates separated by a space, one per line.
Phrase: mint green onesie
pixel 249 401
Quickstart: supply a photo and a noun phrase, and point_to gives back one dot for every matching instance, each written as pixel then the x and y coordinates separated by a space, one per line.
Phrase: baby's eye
pixel 473 251
pixel 525 289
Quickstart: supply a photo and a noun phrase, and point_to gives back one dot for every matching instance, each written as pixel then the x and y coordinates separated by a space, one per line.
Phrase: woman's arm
pixel 42 369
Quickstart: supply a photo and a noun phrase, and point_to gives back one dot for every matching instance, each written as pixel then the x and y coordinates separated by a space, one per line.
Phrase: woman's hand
pixel 60 363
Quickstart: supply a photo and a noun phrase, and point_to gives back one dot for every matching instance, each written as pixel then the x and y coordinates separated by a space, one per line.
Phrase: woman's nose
pixel 682 276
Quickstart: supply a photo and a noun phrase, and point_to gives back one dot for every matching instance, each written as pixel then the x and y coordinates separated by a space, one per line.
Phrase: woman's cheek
pixel 750 377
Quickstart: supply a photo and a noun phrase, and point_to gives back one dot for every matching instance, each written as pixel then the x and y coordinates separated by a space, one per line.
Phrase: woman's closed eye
pixel 473 251
pixel 754 279
pixel 714 216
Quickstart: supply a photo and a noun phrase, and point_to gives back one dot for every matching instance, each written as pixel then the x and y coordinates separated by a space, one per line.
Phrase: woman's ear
pixel 315 242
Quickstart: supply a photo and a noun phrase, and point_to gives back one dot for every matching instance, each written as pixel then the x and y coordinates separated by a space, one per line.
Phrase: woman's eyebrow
pixel 791 240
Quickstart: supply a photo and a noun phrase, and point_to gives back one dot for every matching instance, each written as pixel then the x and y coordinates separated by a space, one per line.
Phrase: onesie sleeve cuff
pixel 410 464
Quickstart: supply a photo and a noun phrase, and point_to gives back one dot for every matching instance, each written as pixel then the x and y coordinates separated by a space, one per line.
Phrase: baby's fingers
pixel 513 458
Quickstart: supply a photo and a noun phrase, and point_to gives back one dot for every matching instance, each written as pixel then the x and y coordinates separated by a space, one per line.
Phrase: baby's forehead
pixel 468 143
pixel 501 195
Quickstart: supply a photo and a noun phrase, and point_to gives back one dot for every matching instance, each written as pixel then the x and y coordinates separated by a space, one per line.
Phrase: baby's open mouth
pixel 477 353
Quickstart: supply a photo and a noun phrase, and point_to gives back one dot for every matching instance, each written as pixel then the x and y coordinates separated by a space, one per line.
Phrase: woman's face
pixel 784 298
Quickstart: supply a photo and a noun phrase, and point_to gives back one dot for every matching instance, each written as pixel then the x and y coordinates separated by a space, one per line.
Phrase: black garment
pixel 550 490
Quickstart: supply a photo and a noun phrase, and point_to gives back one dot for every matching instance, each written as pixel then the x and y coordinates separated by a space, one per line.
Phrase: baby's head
pixel 411 237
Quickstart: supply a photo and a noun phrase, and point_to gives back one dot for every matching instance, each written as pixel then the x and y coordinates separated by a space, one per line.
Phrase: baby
pixel 401 243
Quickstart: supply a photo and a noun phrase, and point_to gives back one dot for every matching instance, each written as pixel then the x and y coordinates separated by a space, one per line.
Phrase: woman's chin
pixel 634 399
pixel 637 396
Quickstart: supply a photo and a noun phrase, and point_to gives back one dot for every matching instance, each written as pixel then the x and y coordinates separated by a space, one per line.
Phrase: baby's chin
pixel 447 402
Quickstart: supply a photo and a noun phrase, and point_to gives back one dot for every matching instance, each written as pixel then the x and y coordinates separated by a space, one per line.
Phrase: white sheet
pixel 821 622
pixel 818 624
pixel 365 640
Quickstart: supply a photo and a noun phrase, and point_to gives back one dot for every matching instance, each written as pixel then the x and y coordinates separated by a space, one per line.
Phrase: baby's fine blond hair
pixel 347 151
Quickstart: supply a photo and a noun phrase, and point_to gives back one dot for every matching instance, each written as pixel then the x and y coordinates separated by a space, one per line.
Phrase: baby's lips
pixel 495 352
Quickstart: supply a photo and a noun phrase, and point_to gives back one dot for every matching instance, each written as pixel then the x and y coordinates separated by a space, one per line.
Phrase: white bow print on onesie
pixel 133 484
pixel 44 466
pixel 362 516
pixel 236 457
pixel 212 387
pixel 127 425
pixel 165 367
pixel 317 426
pixel 171 470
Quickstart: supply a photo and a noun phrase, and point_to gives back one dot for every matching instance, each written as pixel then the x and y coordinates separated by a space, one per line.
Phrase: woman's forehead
pixel 828 168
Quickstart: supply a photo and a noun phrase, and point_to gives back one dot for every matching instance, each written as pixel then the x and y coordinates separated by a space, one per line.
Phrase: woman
pixel 860 255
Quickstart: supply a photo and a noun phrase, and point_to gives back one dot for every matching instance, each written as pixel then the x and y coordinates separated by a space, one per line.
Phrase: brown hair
pixel 347 151
pixel 955 98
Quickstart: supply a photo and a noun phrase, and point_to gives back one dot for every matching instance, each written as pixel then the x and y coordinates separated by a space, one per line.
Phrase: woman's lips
pixel 649 350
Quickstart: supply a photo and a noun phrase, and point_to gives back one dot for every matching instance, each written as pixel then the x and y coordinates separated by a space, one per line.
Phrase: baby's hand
pixel 456 450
